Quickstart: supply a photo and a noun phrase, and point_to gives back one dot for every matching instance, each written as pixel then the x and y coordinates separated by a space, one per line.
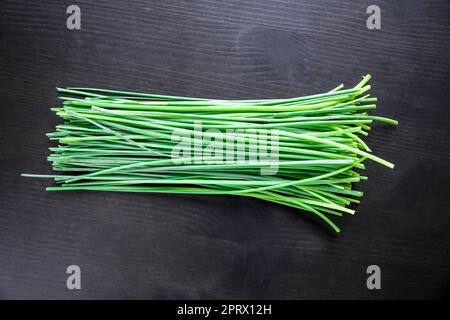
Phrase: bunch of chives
pixel 123 141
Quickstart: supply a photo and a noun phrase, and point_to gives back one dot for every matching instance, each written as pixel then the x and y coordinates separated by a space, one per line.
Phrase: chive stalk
pixel 124 141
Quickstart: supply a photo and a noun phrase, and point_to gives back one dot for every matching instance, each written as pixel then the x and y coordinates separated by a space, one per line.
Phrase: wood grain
pixel 164 246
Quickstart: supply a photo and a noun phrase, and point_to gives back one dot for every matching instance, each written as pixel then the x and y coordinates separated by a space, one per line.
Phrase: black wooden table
pixel 168 246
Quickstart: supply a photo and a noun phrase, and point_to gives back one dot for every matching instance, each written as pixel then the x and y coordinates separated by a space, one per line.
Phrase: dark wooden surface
pixel 164 246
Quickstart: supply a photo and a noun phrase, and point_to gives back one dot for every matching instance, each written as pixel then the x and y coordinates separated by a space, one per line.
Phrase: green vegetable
pixel 126 141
